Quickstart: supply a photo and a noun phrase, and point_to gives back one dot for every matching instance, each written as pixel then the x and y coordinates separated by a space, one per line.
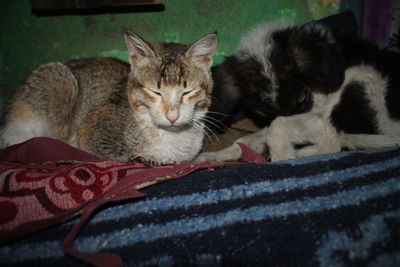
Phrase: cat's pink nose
pixel 173 113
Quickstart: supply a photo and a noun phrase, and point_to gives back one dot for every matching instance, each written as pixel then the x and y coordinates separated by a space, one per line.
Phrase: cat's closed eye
pixel 187 92
pixel 155 92
pixel 152 91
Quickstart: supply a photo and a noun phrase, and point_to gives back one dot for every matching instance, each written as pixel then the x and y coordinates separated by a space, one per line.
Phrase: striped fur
pixel 153 108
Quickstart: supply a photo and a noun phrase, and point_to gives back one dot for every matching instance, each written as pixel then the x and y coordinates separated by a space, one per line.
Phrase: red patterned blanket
pixel 44 182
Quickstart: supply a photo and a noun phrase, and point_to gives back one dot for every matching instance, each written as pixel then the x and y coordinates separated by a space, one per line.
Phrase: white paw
pixel 282 156
pixel 281 150
pixel 308 151
pixel 230 153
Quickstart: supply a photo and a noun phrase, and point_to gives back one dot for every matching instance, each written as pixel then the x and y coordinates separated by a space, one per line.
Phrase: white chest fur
pixel 177 145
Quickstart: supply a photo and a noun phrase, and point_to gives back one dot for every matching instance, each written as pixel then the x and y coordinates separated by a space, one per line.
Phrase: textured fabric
pixel 50 150
pixel 334 210
pixel 36 195
pixel 33 193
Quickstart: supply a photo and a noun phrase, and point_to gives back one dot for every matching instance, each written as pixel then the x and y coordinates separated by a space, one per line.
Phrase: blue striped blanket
pixel 332 210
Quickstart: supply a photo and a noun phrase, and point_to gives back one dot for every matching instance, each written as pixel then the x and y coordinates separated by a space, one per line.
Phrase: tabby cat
pixel 152 108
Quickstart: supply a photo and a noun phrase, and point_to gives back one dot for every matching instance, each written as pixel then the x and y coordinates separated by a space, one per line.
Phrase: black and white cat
pixel 309 85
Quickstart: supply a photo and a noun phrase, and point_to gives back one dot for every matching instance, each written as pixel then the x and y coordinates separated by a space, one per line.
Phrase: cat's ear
pixel 203 50
pixel 138 48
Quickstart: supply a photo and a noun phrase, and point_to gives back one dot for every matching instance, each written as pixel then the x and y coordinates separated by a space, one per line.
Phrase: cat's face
pixel 170 85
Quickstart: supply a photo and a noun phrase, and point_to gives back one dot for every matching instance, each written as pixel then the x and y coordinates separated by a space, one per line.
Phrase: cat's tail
pixel 368 141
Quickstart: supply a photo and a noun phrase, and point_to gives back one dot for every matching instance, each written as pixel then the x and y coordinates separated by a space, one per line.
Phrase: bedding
pixel 331 210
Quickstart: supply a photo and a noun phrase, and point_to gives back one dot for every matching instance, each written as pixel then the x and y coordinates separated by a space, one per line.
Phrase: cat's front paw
pixel 160 163
pixel 281 156
pixel 153 162
pixel 228 154
pixel 280 150
pixel 206 157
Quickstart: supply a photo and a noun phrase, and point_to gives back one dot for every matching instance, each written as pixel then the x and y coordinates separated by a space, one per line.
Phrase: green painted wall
pixel 27 40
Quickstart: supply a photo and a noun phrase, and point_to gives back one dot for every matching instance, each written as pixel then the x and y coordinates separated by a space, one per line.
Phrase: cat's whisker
pixel 206 129
pixel 215 123
pixel 211 135
pixel 139 130
pixel 212 118
pixel 145 128
pixel 218 113
pixel 197 126
pixel 205 118
pixel 153 127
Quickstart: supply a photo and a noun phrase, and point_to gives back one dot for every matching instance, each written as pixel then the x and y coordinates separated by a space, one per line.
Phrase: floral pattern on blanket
pixel 37 192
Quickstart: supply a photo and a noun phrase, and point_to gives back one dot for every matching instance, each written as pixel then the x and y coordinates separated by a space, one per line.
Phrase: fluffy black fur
pixel 299 60
pixel 354 104
pixel 305 59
